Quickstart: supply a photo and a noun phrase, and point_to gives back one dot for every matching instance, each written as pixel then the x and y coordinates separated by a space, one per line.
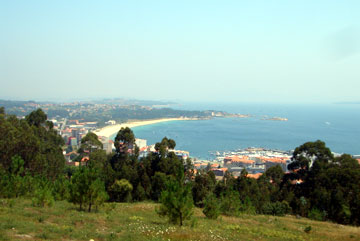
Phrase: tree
pixel 36 118
pixel 274 174
pixel 176 200
pixel 124 140
pixel 13 183
pixel 230 203
pixel 307 154
pixel 89 143
pixel 164 160
pixel 204 184
pixel 86 188
pixel 121 190
pixel 43 194
pixel 158 185
pixel 39 146
pixel 211 207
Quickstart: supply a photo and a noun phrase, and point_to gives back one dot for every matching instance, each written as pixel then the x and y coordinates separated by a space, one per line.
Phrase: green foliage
pixel 275 174
pixel 158 185
pixel 61 189
pixel 165 145
pixel 305 155
pixel 277 208
pixel 230 203
pixel 89 143
pixel 38 145
pixel 211 207
pixel 43 196
pixel 140 194
pixel 247 207
pixel 36 118
pixel 96 195
pixel 176 200
pixel 16 182
pixel 204 184
pixel 121 190
pixel 316 214
pixel 124 140
pixel 307 229
pixel 86 188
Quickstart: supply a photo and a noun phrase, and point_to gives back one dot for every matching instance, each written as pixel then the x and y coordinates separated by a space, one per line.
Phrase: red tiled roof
pixel 243 159
pixel 85 159
pixel 255 176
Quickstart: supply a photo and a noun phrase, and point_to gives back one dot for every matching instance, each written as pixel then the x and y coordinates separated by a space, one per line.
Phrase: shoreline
pixel 110 130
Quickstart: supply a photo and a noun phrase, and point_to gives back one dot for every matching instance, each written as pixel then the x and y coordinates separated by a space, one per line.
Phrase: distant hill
pixel 14 103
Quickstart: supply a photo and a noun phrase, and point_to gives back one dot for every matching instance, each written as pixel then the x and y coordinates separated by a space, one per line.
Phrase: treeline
pixel 134 112
pixel 318 186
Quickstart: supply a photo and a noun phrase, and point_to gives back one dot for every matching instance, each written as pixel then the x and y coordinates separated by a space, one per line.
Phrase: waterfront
pixel 337 125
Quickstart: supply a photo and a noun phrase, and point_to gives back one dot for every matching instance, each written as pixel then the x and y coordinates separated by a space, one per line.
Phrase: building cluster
pixel 254 161
pixel 72 131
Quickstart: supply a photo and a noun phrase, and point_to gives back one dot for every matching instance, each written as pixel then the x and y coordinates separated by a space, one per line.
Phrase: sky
pixel 226 51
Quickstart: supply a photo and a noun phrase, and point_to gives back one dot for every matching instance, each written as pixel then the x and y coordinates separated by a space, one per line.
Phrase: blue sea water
pixel 336 124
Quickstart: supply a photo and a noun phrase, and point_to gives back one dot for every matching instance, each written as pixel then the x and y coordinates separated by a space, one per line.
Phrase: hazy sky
pixel 252 51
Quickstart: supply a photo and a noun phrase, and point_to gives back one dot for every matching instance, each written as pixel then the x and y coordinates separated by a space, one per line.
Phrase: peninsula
pixel 110 130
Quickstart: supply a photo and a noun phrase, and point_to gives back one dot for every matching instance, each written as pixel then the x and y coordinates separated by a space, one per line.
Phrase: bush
pixel 86 188
pixel 122 190
pixel 307 229
pixel 140 194
pixel 61 189
pixel 230 203
pixel 276 209
pixel 247 207
pixel 176 202
pixel 211 207
pixel 316 214
pixel 43 196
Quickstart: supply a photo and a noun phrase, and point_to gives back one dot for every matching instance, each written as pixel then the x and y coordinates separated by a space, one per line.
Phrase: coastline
pixel 110 130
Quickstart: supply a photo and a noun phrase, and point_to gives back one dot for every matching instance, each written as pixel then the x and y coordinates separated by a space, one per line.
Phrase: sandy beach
pixel 110 130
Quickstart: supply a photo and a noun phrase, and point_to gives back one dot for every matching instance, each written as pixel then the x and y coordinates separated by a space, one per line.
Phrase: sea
pixel 335 124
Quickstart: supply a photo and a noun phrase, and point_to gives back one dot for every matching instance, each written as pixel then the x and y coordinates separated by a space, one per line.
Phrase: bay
pixel 336 124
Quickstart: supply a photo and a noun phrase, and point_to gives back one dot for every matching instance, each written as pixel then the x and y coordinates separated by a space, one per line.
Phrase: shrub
pixel 176 201
pixel 140 194
pixel 122 190
pixel 276 208
pixel 307 229
pixel 43 196
pixel 316 214
pixel 86 188
pixel 230 203
pixel 211 207
pixel 61 189
pixel 247 207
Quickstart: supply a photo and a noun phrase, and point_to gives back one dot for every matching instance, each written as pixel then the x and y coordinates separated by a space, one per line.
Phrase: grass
pixel 138 221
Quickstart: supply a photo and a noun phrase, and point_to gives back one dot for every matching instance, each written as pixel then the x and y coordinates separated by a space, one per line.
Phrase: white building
pixel 140 143
pixel 110 122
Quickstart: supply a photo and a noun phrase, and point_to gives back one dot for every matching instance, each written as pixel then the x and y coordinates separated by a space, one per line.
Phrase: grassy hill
pixel 19 220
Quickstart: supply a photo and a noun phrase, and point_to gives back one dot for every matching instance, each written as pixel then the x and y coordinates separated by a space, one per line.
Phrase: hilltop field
pixel 19 220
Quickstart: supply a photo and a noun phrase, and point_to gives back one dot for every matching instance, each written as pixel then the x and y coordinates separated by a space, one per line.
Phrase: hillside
pixel 19 220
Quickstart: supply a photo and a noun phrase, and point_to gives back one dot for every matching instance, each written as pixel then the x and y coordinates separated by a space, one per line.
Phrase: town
pixel 254 160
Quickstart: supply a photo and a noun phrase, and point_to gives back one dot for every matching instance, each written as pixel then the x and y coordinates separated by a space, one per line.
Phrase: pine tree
pixel 87 189
pixel 176 200
pixel 211 207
